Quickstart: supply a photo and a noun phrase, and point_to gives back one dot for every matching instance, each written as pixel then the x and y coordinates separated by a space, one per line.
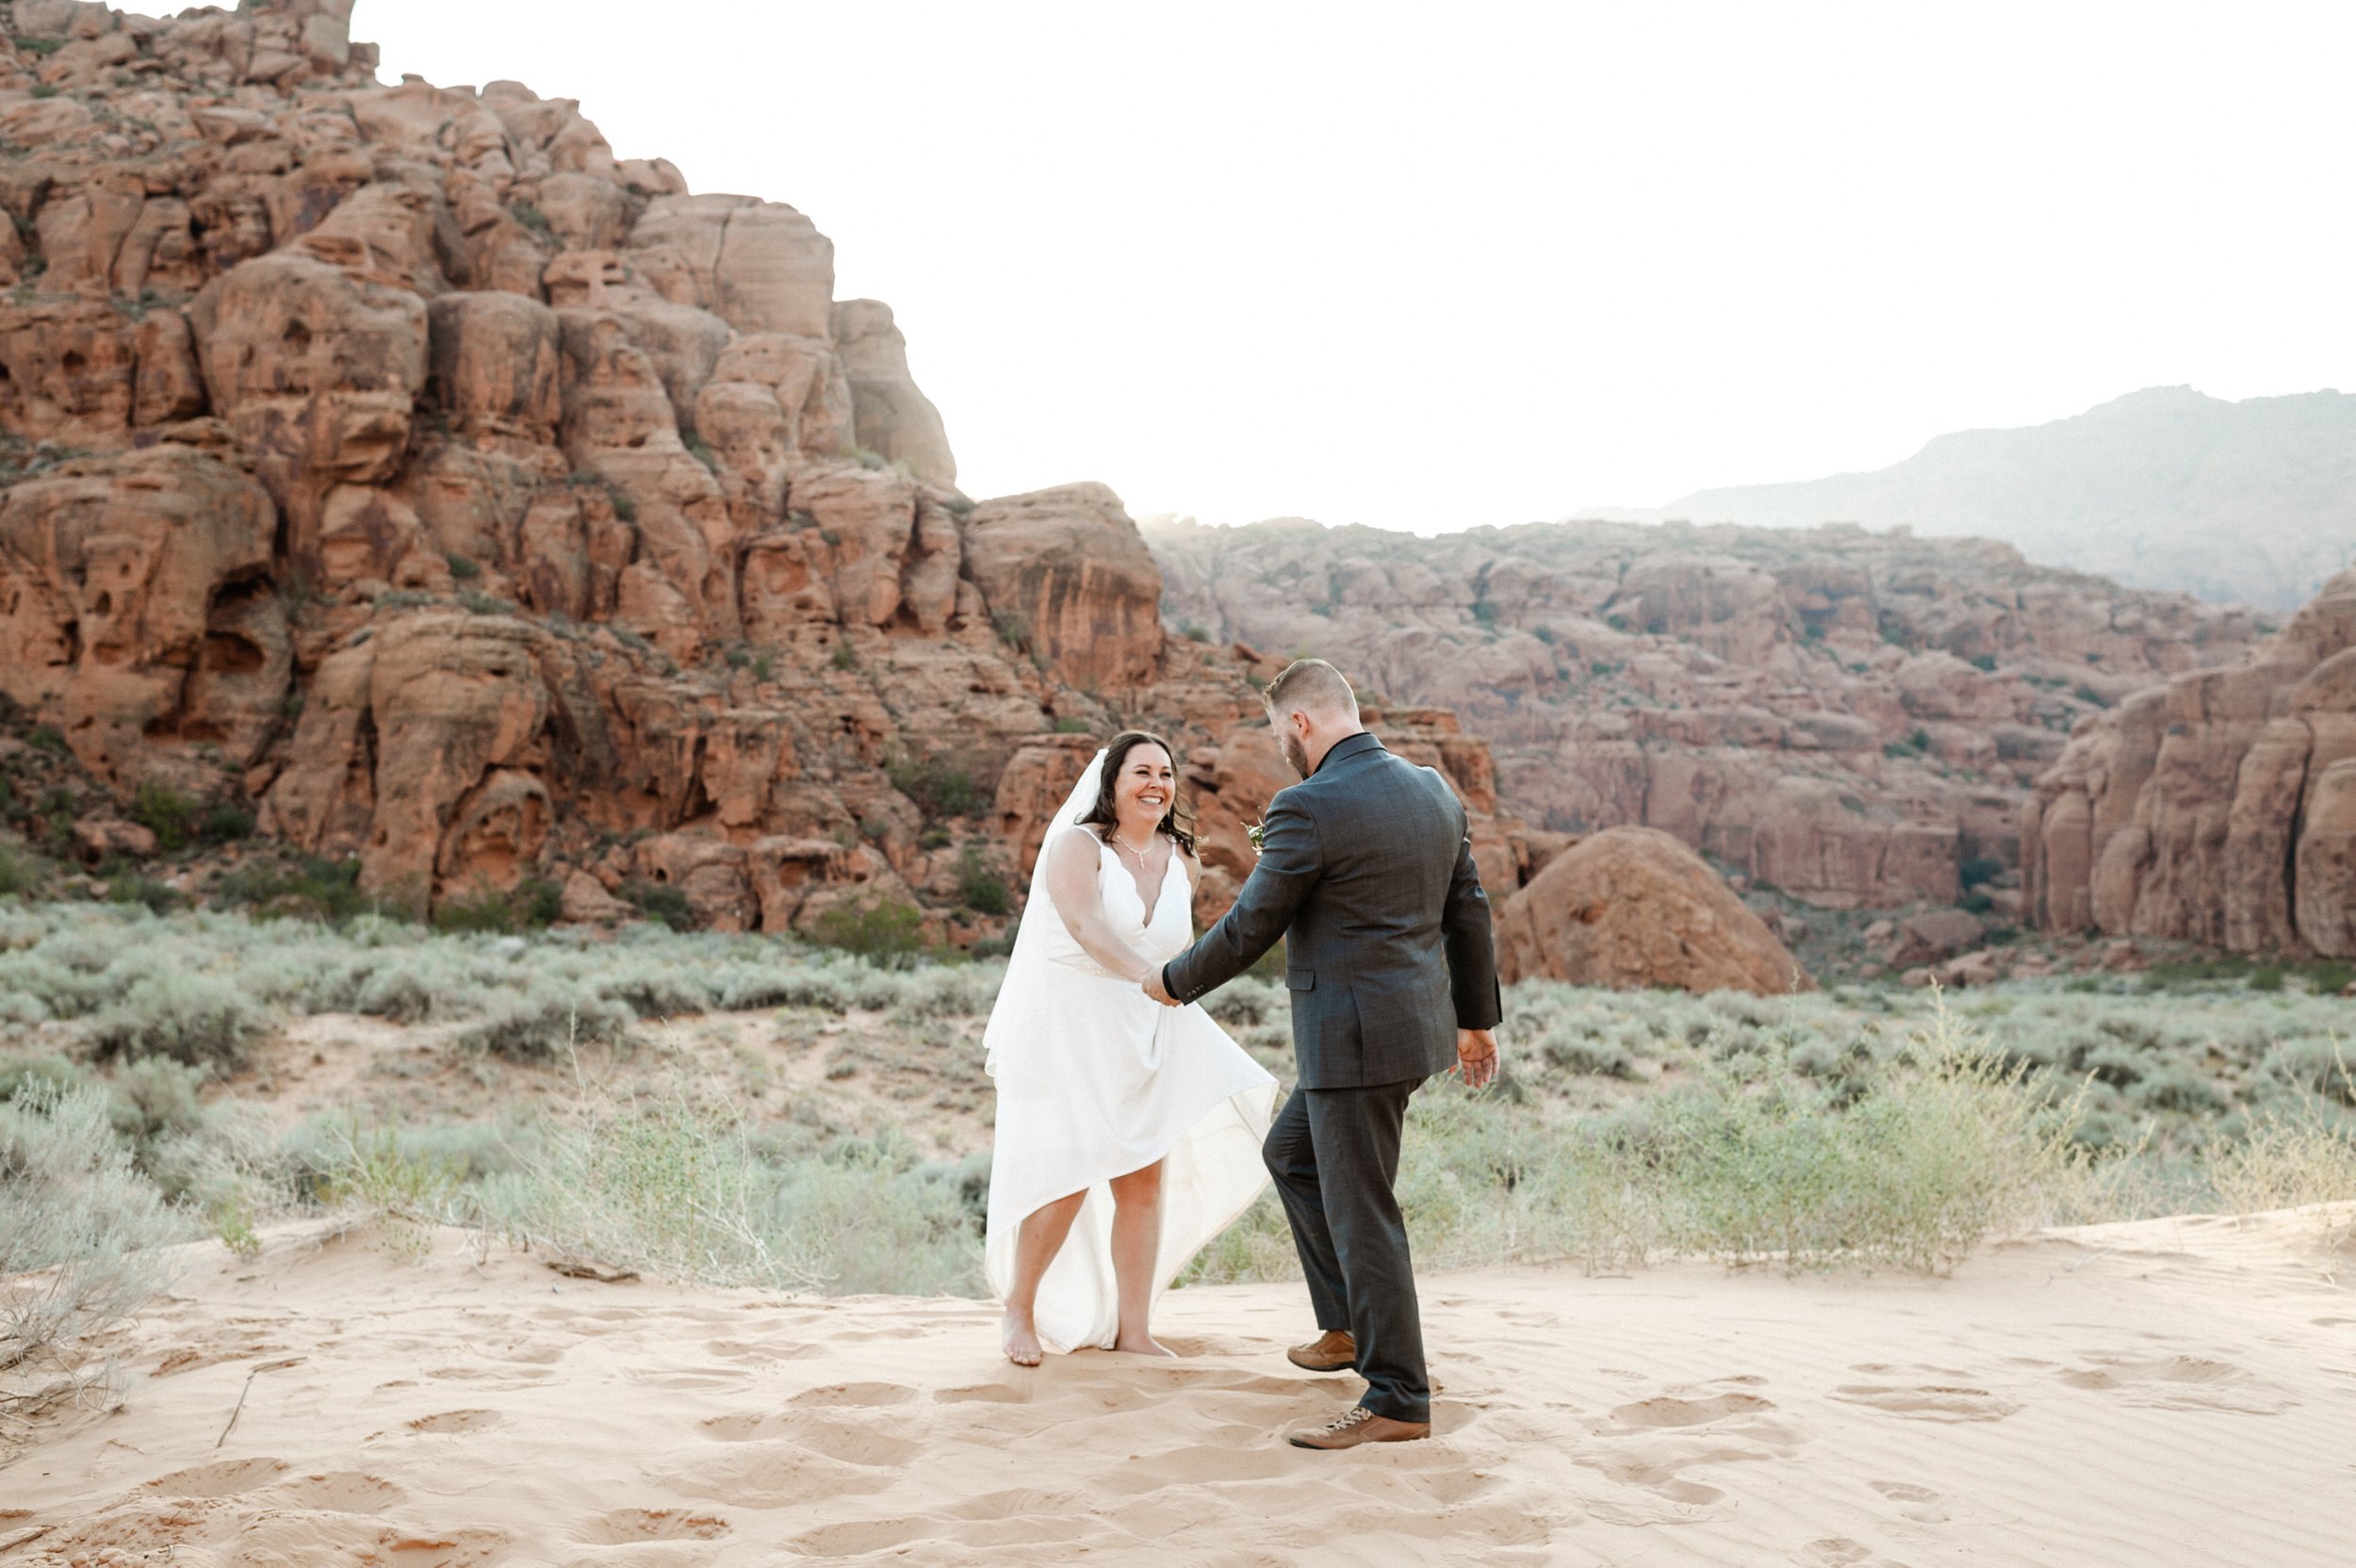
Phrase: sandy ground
pixel 2168 1392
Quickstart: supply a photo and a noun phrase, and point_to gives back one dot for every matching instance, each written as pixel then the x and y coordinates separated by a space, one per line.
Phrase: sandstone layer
pixel 1633 908
pixel 496 511
pixel 1853 718
pixel 2219 808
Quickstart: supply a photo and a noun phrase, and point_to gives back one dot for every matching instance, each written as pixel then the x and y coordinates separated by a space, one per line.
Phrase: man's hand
pixel 1477 1057
pixel 1154 988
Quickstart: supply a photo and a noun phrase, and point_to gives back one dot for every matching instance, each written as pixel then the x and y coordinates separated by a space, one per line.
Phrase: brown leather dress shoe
pixel 1361 1425
pixel 1331 1351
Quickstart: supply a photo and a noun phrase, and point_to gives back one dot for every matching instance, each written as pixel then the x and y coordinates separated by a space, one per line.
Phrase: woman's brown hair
pixel 1178 822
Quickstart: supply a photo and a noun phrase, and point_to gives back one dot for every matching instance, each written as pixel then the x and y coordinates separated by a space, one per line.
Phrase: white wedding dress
pixel 1095 1080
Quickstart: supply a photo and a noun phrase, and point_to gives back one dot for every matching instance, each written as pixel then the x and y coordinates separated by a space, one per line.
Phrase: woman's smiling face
pixel 1147 784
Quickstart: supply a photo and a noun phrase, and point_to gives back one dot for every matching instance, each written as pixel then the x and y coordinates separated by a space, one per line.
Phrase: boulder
pixel 892 418
pixel 137 612
pixel 1069 579
pixel 1633 908
pixel 316 375
pixel 586 902
pixel 1936 933
pixel 759 266
pixel 97 839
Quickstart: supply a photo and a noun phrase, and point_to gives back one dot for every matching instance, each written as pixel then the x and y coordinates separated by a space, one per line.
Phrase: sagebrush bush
pixel 538 1021
pixel 659 1186
pixel 79 1228
pixel 198 1019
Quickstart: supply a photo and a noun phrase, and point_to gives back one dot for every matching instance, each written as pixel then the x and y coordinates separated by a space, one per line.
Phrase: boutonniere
pixel 1257 833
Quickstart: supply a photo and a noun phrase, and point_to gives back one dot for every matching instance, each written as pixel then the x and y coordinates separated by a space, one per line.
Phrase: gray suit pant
pixel 1335 1154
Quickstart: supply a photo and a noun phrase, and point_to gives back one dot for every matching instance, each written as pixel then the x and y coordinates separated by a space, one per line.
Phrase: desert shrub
pixel 22 875
pixel 70 1205
pixel 52 1073
pixel 527 906
pixel 165 812
pixel 2328 977
pixel 2177 1088
pixel 652 988
pixel 865 1216
pixel 659 901
pixel 939 786
pixel 159 898
pixel 1573 1049
pixel 2290 1162
pixel 202 1019
pixel 660 1185
pixel 156 1099
pixel 1911 1175
pixel 537 1022
pixel 403 1193
pixel 2322 1066
pixel 306 888
pixel 982 889
pixel 887 933
pixel 948 991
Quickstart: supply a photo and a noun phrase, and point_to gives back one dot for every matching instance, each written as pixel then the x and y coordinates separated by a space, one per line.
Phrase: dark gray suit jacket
pixel 1366 869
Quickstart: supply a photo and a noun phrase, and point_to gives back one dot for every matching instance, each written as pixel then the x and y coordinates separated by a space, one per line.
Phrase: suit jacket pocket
pixel 1300 979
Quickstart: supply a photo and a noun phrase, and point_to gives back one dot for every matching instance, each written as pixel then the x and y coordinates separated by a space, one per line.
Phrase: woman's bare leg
pixel 1035 1247
pixel 1137 1238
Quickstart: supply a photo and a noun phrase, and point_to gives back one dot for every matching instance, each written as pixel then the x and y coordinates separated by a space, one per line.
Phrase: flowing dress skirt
pixel 1102 1081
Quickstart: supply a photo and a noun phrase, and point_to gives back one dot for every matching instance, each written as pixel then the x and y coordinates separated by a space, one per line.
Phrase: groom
pixel 1366 869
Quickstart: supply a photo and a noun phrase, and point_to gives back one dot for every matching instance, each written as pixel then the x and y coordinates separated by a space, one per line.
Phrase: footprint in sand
pixel 983 1393
pixel 1836 1552
pixel 846 1441
pixel 761 1353
pixel 857 1395
pixel 627 1526
pixel 770 1472
pixel 2179 1383
pixel 456 1421
pixel 1653 1441
pixel 225 1479
pixel 339 1491
pixel 1668 1411
pixel 457 1549
pixel 1918 1503
pixel 1952 1397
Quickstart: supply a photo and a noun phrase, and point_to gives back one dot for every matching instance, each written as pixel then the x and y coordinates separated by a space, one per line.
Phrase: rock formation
pixel 2219 807
pixel 1853 718
pixel 1633 908
pixel 495 511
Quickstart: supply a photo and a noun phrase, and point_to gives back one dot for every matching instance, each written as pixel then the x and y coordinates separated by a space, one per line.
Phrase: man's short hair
pixel 1311 686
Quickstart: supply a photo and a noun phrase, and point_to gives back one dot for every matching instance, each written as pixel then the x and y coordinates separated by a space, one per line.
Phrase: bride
pixel 1128 1132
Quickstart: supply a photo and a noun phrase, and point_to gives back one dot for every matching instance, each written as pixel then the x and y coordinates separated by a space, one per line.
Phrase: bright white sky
pixel 1428 267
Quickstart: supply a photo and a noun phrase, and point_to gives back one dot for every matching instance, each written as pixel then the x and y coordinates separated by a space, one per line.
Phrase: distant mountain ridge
pixel 2252 502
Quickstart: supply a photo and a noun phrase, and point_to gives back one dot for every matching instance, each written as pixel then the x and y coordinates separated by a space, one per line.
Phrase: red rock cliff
pixel 489 507
pixel 2219 807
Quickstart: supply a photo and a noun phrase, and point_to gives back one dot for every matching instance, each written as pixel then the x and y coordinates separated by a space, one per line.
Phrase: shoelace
pixel 1343 1423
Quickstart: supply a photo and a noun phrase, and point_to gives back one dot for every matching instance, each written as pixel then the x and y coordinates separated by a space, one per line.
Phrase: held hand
pixel 1477 1057
pixel 1154 988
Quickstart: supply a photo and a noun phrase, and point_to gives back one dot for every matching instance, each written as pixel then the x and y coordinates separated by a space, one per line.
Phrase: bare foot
pixel 1021 1340
pixel 1142 1345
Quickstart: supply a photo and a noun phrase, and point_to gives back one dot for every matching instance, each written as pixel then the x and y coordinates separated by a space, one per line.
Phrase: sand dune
pixel 2169 1392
